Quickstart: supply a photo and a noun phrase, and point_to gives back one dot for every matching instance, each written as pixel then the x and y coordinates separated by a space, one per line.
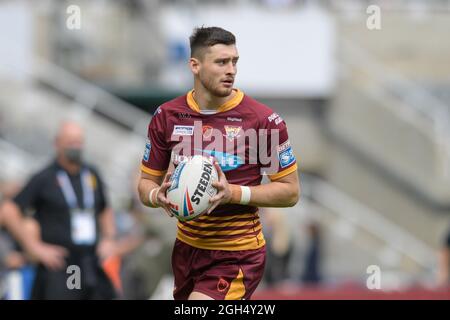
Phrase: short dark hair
pixel 203 37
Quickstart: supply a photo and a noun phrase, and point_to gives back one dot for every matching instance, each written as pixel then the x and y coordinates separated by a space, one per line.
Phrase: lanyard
pixel 69 193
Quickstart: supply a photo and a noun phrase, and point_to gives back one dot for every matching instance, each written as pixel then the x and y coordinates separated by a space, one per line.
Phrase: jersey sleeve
pixel 28 197
pixel 156 157
pixel 277 159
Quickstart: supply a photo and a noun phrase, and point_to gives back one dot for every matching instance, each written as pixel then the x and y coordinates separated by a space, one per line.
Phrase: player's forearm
pixel 273 194
pixel 144 188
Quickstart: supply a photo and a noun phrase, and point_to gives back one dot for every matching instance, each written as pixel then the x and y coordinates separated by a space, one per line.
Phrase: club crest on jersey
pixel 232 132
pixel 207 131
pixel 222 285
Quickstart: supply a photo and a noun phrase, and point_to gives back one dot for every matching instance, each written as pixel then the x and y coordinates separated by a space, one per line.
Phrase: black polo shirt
pixel 447 240
pixel 44 197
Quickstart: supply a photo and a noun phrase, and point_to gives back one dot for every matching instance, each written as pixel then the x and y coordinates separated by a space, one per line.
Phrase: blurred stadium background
pixel 368 113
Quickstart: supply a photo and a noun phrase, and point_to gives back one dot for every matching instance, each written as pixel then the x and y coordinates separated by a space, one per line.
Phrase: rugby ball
pixel 192 188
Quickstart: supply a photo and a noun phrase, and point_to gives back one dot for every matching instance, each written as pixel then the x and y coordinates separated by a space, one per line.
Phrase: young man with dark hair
pixel 221 254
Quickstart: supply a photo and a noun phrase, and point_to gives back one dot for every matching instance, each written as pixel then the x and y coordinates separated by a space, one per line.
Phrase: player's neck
pixel 207 101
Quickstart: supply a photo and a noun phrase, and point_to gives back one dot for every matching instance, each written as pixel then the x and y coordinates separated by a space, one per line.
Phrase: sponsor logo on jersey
pixel 184 115
pixel 232 132
pixel 234 119
pixel 226 161
pixel 285 145
pixel 148 147
pixel 275 117
pixel 285 154
pixel 272 117
pixel 157 111
pixel 183 130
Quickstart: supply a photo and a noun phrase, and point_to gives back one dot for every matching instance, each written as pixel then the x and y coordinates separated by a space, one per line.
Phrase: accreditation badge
pixel 83 227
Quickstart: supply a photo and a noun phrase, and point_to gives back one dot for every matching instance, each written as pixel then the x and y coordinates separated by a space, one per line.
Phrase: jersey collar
pixel 230 104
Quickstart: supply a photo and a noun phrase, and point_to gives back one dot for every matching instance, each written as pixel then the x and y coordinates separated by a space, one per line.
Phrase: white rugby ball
pixel 192 188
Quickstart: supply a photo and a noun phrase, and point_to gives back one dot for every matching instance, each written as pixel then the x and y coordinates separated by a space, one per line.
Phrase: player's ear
pixel 194 64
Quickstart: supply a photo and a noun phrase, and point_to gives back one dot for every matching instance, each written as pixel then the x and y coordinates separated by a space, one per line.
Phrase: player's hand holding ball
pixel 192 186
pixel 223 195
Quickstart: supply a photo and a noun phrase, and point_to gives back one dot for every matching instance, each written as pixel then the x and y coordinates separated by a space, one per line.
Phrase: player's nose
pixel 231 69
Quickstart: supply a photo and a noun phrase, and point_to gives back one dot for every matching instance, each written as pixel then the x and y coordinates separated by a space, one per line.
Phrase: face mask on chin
pixel 73 155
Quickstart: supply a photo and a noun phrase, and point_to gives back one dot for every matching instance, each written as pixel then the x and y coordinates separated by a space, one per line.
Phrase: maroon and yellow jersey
pixel 248 140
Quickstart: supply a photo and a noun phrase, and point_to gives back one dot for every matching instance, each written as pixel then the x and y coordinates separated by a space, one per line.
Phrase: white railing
pixel 13 161
pixel 414 104
pixel 90 96
pixel 359 215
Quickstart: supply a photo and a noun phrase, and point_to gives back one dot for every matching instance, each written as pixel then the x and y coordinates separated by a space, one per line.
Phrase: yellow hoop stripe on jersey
pixel 226 218
pixel 243 243
pixel 156 173
pixel 283 173
pixel 251 228
pixel 248 238
pixel 196 223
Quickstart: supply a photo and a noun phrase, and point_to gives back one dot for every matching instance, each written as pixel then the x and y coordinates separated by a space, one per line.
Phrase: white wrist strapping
pixel 246 194
pixel 150 197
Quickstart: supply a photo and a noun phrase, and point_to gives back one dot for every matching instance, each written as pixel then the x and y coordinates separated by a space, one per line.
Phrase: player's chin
pixel 223 91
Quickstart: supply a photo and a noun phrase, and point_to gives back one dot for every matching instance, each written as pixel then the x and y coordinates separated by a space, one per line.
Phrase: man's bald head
pixel 70 136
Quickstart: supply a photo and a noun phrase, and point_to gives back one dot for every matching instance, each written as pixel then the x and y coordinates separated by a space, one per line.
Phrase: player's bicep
pixel 290 186
pixel 291 178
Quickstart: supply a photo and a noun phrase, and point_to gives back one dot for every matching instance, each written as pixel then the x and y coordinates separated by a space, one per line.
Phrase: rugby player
pixel 220 255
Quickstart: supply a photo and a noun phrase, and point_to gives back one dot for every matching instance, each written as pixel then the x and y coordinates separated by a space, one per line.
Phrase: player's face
pixel 217 70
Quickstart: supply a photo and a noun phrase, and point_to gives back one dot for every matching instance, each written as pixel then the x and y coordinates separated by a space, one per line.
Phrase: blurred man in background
pixel 75 225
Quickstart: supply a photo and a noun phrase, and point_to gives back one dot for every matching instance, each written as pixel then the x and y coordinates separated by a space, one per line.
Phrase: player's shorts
pixel 221 275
